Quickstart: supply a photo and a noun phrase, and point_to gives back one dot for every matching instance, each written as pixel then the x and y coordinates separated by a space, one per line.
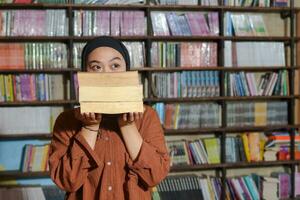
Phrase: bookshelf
pixel 290 40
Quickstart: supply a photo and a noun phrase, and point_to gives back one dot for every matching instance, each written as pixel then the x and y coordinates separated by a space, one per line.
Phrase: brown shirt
pixel 107 172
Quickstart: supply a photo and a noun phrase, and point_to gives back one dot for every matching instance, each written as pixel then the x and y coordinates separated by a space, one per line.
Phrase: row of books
pixel 31 87
pixel 184 54
pixel 201 151
pixel 254 54
pixel 30 119
pixel 33 23
pixel 245 24
pixel 253 186
pixel 277 146
pixel 188 115
pixel 185 84
pixel 35 158
pixel 32 193
pixel 257 84
pixel 188 187
pixel 114 23
pixel 163 54
pixel 191 115
pixel 33 55
pixel 276 186
pixel 245 147
pixel 136 52
pixel 256 3
pixel 185 24
pixel 257 113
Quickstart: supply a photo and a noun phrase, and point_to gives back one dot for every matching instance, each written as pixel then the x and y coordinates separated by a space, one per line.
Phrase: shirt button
pixel 108 163
pixel 106 138
pixel 109 188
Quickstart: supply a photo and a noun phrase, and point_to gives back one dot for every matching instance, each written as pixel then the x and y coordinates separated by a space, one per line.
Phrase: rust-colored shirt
pixel 107 172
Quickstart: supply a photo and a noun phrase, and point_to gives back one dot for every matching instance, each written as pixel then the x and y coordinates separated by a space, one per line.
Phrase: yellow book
pixel 254 146
pixel 177 108
pixel 2 88
pixel 262 143
pixel 111 107
pixel 108 79
pixel 211 190
pixel 213 150
pixel 260 114
pixel 32 158
pixel 246 146
pixel 111 94
pixel 9 92
pixel 45 157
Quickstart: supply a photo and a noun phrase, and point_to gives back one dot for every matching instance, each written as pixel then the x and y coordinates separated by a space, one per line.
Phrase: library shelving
pixel 290 40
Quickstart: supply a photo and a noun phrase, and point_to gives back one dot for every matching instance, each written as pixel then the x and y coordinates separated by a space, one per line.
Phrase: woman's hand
pixel 128 118
pixel 91 120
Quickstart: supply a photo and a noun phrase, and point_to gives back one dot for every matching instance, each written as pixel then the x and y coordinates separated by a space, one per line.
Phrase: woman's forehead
pixel 105 52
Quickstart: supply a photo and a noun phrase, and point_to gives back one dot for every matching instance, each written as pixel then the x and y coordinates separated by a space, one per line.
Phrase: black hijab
pixel 104 41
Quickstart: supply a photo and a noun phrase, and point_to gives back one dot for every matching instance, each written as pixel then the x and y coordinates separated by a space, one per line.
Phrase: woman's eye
pixel 114 66
pixel 96 67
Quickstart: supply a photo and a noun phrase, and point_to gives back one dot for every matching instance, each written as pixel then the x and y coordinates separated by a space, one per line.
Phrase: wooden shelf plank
pixel 34 38
pixel 259 164
pixel 144 7
pixel 39 103
pixel 9 175
pixel 217 68
pixel 46 136
pixel 256 9
pixel 257 38
pixel 229 129
pixel 139 38
pixel 123 38
pixel 182 168
pixel 49 70
pixel 235 98
pixel 29 136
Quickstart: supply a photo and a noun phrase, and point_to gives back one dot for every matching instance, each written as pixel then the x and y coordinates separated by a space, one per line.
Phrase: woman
pixel 98 156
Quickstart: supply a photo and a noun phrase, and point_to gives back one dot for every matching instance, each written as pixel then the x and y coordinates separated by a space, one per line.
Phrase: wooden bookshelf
pixel 148 38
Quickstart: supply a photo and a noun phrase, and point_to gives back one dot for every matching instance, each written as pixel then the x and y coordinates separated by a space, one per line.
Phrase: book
pixel 116 86
pixel 178 152
pixel 212 146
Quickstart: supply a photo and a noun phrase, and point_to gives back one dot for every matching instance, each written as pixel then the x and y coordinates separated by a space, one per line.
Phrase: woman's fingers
pixel 136 116
pixel 125 117
pixel 131 117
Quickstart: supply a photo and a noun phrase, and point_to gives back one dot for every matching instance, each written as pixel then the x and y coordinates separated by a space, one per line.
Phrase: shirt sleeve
pixel 153 163
pixel 70 156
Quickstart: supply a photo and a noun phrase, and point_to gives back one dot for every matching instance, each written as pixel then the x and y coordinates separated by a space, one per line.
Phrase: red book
pixel 22 1
pixel 284 137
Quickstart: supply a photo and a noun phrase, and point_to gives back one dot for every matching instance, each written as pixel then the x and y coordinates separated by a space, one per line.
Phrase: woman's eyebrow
pixel 96 61
pixel 115 58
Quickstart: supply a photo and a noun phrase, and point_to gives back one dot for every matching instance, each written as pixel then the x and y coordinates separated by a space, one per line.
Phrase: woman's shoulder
pixel 67 117
pixel 149 111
